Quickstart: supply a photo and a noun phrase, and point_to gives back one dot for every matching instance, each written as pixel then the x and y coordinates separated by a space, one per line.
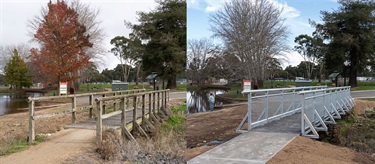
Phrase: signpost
pixel 246 85
pixel 63 88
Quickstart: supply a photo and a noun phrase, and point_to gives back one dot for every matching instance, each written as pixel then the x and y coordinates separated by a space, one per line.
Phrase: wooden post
pixel 31 122
pixel 134 112
pixel 158 102
pixel 123 116
pixel 165 98
pixel 162 99
pixel 91 103
pixel 153 103
pixel 99 121
pixel 149 105
pixel 74 107
pixel 114 104
pixel 103 109
pixel 143 109
pixel 151 112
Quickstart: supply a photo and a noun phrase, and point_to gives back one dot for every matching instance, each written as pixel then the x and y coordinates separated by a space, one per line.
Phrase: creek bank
pixel 355 131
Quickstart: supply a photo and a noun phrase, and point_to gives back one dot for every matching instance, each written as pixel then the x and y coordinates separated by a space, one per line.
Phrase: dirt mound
pixel 218 125
pixel 305 150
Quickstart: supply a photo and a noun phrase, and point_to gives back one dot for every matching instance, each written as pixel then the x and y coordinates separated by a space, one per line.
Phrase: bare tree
pixel 253 31
pixel 199 53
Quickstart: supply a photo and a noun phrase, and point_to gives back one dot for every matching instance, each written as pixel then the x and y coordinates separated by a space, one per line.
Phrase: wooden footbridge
pixel 130 110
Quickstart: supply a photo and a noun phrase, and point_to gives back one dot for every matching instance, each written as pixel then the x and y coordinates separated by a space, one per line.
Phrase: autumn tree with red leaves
pixel 62 40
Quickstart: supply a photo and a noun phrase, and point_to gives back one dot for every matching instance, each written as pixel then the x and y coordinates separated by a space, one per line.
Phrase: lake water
pixel 197 101
pixel 12 103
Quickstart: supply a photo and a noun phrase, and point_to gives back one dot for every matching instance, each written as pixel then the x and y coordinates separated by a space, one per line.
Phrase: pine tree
pixel 16 72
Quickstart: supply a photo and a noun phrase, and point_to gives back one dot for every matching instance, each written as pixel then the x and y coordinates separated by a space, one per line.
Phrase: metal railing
pixel 268 105
pixel 157 111
pixel 74 107
pixel 321 107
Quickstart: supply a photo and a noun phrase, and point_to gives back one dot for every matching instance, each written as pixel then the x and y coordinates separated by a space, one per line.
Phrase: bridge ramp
pixel 257 146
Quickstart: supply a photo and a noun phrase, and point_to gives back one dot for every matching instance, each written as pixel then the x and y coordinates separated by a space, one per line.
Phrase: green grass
pixel 369 99
pixel 18 145
pixel 177 120
pixel 361 88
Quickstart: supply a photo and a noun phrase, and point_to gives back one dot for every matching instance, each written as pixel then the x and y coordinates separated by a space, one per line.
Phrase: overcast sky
pixel 296 12
pixel 14 15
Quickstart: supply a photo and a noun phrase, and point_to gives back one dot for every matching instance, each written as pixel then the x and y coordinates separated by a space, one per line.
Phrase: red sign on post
pixel 63 88
pixel 246 85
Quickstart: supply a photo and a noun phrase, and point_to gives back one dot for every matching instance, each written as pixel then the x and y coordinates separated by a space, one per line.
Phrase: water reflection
pixel 11 102
pixel 198 100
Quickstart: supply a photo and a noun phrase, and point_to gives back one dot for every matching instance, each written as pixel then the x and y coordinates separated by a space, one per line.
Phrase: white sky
pixel 14 15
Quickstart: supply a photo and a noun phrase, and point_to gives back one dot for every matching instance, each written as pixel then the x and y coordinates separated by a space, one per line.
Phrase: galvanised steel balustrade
pixel 272 104
pixel 321 107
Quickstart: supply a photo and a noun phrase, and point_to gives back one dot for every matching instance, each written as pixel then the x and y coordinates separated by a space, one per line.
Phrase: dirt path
pixel 57 149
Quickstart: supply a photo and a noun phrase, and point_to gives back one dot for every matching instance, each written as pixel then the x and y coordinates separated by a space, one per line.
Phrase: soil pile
pixel 305 150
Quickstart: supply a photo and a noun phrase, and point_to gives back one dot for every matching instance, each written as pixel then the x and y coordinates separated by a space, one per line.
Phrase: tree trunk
pixel 171 83
pixel 260 83
pixel 137 76
pixel 58 86
pixel 76 85
pixel 353 77
pixel 353 69
pixel 320 72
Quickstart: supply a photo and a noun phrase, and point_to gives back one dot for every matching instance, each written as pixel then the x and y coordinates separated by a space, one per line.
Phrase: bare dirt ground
pixel 221 125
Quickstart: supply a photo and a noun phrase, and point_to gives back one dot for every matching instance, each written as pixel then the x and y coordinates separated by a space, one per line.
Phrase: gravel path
pixel 57 149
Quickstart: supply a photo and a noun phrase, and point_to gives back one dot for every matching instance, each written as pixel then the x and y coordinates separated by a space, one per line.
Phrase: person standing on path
pixel 211 101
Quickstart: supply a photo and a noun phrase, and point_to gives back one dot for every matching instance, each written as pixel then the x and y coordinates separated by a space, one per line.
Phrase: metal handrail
pixel 282 89
pixel 264 117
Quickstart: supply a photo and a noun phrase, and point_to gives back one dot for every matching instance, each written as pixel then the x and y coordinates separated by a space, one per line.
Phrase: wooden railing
pixel 75 106
pixel 157 111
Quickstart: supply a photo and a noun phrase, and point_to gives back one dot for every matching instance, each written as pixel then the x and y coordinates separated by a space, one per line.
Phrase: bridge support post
pixel 151 111
pixel 145 122
pixel 134 111
pixel 135 124
pixel 155 111
pixel 143 109
pixel 31 122
pixel 124 131
pixel 99 121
